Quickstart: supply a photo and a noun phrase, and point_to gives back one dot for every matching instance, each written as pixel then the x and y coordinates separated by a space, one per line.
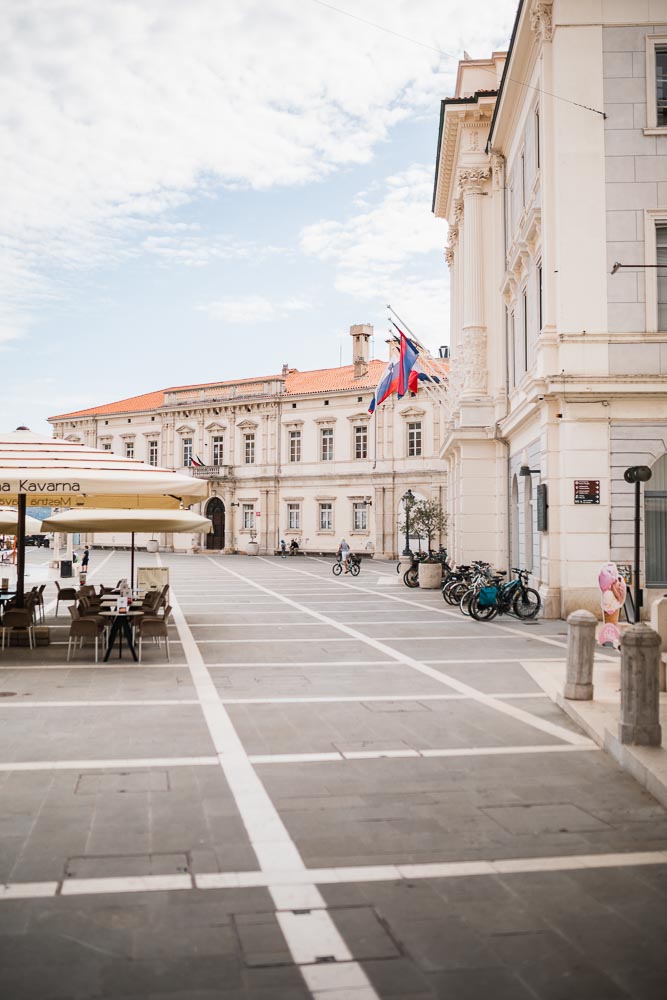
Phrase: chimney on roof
pixel 443 351
pixel 285 370
pixel 361 334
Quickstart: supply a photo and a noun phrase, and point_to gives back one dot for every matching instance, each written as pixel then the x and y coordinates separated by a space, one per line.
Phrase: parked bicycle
pixel 500 597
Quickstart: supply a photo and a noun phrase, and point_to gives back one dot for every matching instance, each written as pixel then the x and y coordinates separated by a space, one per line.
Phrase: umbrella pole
pixel 20 551
pixel 132 565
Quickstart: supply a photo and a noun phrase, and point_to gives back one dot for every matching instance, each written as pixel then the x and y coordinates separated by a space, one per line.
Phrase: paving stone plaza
pixel 335 788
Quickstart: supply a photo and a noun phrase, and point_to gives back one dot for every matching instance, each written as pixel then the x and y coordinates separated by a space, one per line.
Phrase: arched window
pixel 514 540
pixel 655 525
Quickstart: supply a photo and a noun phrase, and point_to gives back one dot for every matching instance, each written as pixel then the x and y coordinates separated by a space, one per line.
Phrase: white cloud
pixel 388 252
pixel 251 309
pixel 118 113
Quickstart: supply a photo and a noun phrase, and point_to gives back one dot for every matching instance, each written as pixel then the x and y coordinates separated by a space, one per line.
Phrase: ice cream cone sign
pixel 613 589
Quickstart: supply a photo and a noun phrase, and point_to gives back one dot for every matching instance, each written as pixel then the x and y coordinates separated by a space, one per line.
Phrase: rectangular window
pixel 661 86
pixel 361 441
pixel 129 449
pixel 524 317
pixel 414 439
pixel 523 180
pixel 359 516
pixel 327 444
pixel 218 455
pixel 537 137
pixel 187 451
pixel 249 449
pixel 539 298
pixel 656 538
pixel 248 511
pixel 661 272
pixel 295 446
pixel 152 452
pixel 326 517
pixel 106 447
pixel 294 516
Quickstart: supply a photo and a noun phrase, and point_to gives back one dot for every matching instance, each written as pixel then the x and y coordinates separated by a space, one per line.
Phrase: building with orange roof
pixel 288 455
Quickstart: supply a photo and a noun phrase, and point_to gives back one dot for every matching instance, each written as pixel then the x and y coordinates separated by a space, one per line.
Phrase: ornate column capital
pixel 472 181
pixel 541 21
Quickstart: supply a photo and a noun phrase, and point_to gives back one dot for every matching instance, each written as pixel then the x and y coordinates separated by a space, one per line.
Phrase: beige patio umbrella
pixel 52 472
pixel 9 520
pixel 88 519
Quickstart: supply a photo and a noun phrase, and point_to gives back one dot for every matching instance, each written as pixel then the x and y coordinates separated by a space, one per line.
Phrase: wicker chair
pixel 155 627
pixel 64 594
pixel 20 620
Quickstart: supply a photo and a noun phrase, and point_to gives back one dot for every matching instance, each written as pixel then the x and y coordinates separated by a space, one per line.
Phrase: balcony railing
pixel 209 471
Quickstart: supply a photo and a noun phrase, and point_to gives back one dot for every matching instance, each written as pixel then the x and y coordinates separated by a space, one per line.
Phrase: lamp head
pixel 637 474
pixel 524 470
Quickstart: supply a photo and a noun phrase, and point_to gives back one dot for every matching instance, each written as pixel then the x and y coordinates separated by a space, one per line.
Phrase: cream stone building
pixel 551 169
pixel 292 455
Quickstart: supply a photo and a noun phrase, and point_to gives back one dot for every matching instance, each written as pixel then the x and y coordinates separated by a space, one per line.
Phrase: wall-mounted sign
pixel 542 507
pixel 587 491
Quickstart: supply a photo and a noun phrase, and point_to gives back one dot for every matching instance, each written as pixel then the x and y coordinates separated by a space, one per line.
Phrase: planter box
pixel 42 638
pixel 152 545
pixel 430 576
pixel 253 548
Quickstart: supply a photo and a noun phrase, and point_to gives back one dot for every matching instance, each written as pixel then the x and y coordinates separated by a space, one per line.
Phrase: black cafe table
pixel 121 626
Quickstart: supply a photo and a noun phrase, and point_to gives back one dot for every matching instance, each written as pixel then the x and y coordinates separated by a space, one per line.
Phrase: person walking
pixel 344 553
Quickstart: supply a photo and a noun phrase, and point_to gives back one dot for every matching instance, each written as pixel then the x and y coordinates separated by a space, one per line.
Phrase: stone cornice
pixel 472 116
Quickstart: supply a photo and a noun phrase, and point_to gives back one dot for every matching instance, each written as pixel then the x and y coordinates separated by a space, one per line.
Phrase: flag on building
pixel 417 375
pixel 387 384
pixel 407 358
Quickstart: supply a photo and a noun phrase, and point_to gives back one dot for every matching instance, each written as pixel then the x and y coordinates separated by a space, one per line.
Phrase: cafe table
pixel 121 626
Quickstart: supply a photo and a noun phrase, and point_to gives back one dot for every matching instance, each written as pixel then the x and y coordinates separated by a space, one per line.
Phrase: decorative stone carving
pixel 449 254
pixel 472 180
pixel 474 351
pixel 498 170
pixel 458 210
pixel 541 21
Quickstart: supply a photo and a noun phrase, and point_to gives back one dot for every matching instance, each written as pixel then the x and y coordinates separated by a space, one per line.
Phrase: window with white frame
pixel 656 81
pixel 249 448
pixel 218 449
pixel 513 346
pixel 414 439
pixel 537 137
pixel 661 272
pixel 327 444
pixel 294 516
pixel 522 178
pixel 359 516
pixel 248 515
pixel 524 321
pixel 106 446
pixel 186 444
pixel 152 452
pixel 295 446
pixel 129 449
pixel 326 516
pixel 361 441
pixel 539 297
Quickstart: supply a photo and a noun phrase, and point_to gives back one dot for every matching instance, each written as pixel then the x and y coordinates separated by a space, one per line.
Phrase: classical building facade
pixel 294 455
pixel 552 172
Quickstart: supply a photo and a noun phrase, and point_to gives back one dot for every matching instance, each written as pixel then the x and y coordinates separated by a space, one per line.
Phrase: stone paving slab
pixel 327 679
pixel 94 684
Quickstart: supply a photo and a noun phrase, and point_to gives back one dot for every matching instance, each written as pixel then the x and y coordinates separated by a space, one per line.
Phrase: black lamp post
pixel 637 474
pixel 408 500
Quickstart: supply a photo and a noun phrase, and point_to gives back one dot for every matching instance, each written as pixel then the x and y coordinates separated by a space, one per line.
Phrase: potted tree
pixel 429 520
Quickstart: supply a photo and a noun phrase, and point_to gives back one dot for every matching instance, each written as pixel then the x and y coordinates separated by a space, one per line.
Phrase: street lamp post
pixel 637 474
pixel 408 500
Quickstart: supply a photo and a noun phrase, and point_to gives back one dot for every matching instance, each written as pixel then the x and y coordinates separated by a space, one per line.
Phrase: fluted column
pixel 474 324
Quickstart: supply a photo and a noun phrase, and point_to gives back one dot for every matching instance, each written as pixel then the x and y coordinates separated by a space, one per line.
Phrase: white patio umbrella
pixel 88 519
pixel 52 472
pixel 9 520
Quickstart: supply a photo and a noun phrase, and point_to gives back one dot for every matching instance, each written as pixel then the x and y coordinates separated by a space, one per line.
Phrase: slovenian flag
pixel 407 359
pixel 387 384
pixel 417 375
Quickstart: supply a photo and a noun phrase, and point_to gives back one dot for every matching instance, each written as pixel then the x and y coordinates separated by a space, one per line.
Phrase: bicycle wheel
pixel 411 577
pixel 527 603
pixel 354 569
pixel 398 567
pixel 481 614
pixel 447 591
pixel 337 569
pixel 464 603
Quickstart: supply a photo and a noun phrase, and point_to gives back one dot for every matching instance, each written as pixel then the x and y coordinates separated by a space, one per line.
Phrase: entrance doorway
pixel 215 509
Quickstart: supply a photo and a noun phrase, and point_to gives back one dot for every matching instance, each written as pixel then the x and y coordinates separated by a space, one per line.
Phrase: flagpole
pixel 416 340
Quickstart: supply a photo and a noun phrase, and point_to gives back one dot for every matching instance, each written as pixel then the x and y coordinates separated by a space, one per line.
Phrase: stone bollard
pixel 640 699
pixel 580 653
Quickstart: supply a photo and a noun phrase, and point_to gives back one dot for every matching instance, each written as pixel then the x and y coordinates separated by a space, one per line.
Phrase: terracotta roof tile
pixel 296 384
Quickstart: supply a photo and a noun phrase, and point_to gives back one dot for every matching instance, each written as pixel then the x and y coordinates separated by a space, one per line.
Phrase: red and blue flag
pixel 407 359
pixel 387 384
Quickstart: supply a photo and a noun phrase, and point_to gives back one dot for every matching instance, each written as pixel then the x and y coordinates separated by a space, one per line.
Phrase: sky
pixel 195 190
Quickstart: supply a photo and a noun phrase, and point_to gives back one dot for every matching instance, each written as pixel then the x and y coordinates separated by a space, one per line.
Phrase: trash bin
pixel 66 568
